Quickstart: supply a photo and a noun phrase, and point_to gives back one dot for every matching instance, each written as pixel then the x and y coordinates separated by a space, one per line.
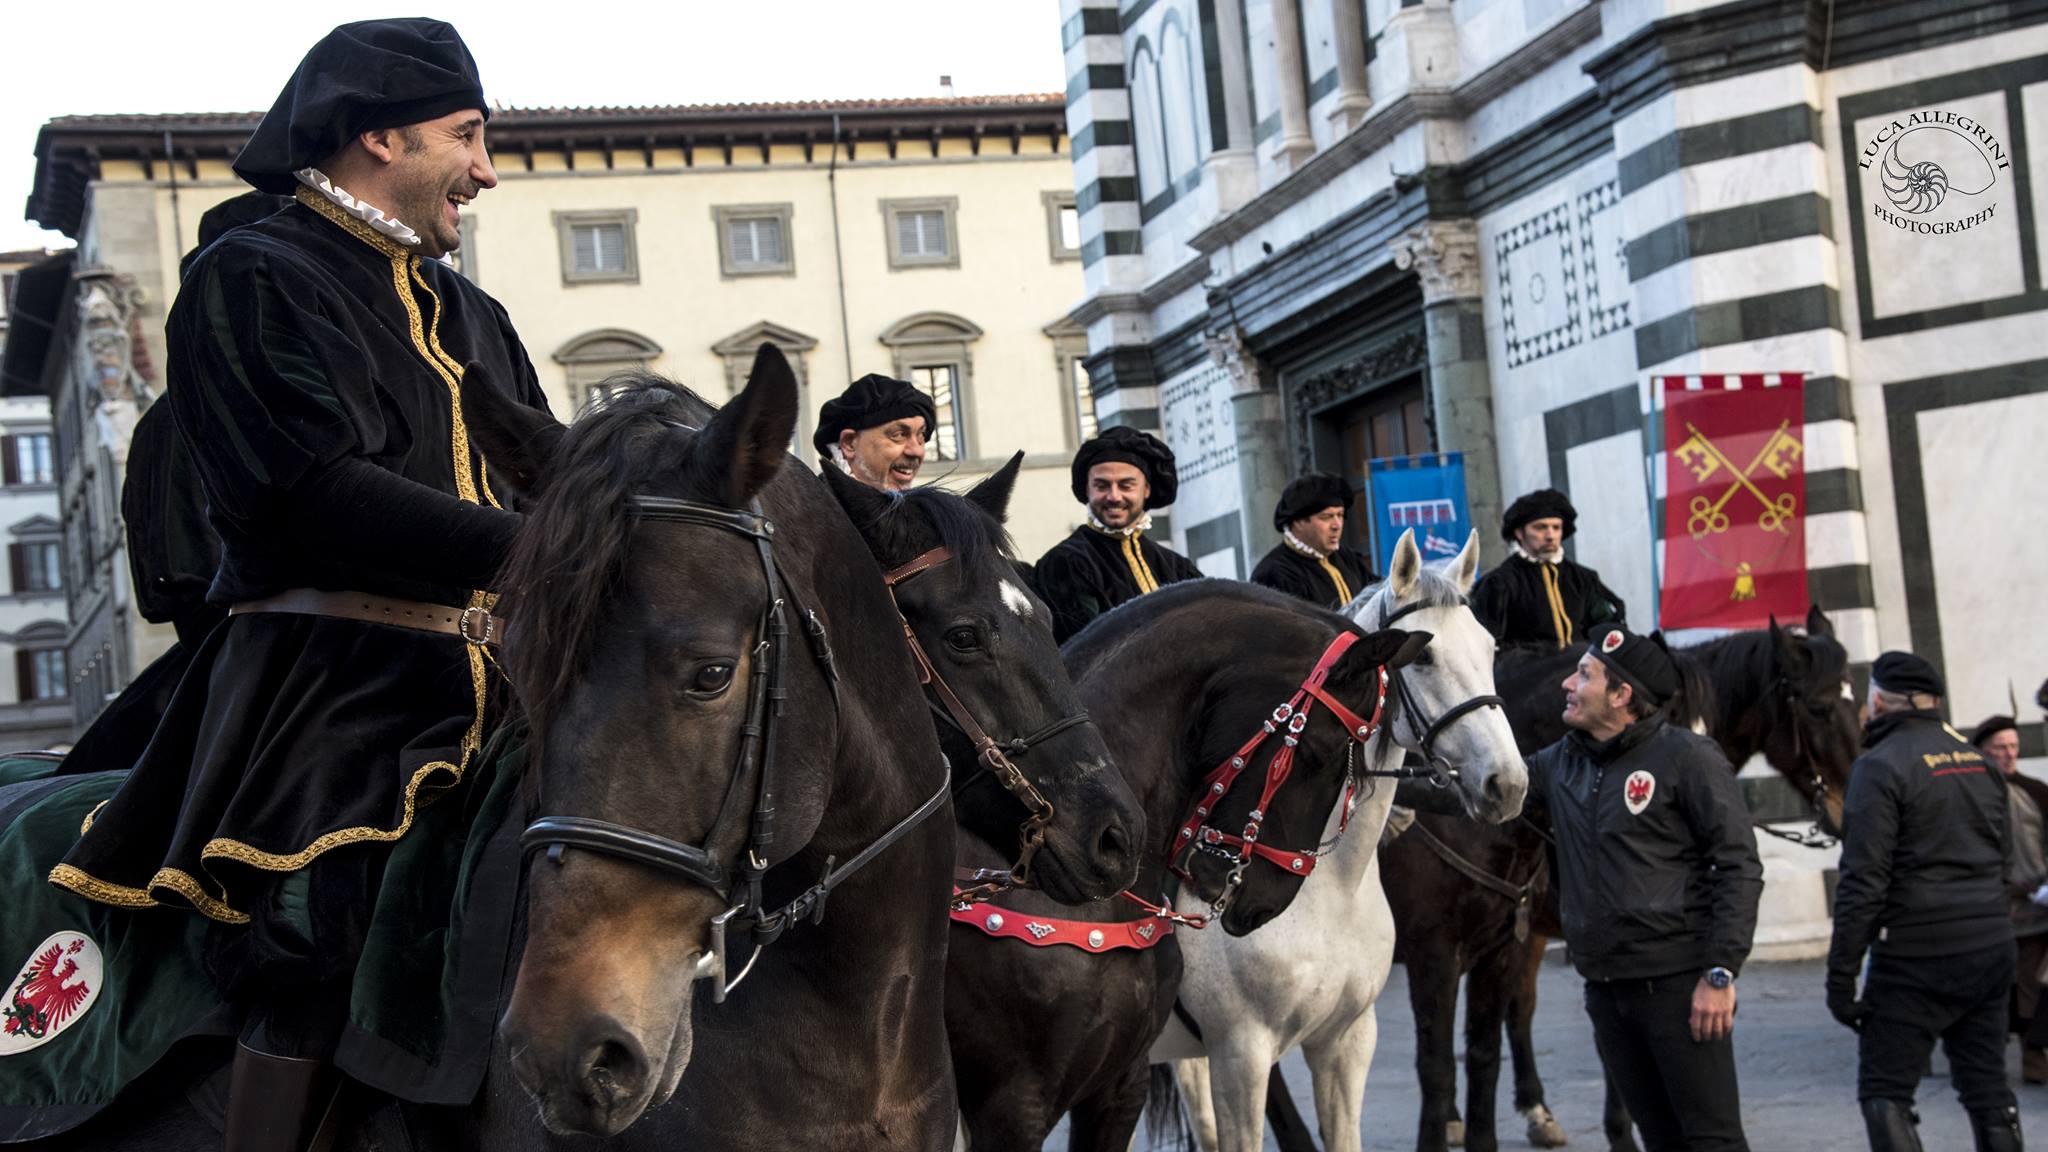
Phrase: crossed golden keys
pixel 1780 455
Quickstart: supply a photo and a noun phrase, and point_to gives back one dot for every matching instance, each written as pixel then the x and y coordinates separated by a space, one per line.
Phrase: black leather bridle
pixel 1440 770
pixel 739 884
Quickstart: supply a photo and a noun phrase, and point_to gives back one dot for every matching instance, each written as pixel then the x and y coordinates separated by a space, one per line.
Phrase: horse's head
pixel 1446 710
pixel 638 642
pixel 989 641
pixel 1814 734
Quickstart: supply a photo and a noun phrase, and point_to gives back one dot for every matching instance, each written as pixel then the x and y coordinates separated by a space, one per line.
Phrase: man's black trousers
pixel 1682 1093
pixel 1912 1000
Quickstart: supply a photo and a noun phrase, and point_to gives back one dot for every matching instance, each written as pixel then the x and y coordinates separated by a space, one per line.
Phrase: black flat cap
pixel 870 402
pixel 360 77
pixel 1542 504
pixel 1644 663
pixel 1992 727
pixel 1907 674
pixel 1121 445
pixel 1310 494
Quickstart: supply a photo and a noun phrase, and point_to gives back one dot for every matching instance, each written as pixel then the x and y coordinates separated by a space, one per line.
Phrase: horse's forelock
pixel 976 540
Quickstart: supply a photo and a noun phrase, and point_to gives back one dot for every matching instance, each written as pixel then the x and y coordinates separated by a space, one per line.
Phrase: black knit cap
pixel 1542 504
pixel 1121 445
pixel 1906 674
pixel 1310 494
pixel 1993 727
pixel 870 402
pixel 360 77
pixel 1644 663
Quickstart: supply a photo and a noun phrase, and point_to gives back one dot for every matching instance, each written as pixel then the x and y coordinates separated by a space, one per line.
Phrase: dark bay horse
pixel 987 641
pixel 1176 679
pixel 1773 691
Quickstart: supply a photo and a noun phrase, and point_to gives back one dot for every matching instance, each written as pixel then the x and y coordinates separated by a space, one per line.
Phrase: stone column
pixel 1262 467
pixel 1296 145
pixel 1347 21
pixel 1445 254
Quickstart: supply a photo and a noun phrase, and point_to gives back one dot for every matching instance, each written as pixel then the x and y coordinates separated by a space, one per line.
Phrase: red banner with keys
pixel 1735 500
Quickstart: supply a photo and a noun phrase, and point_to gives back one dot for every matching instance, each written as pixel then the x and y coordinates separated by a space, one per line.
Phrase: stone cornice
pixel 1151 296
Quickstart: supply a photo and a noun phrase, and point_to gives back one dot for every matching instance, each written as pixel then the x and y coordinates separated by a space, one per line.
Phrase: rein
pixel 1522 896
pixel 740 886
pixel 992 754
pixel 1817 787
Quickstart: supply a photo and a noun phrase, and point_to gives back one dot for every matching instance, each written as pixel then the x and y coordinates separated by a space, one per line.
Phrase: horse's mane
pixel 1434 588
pixel 572 540
pixel 975 538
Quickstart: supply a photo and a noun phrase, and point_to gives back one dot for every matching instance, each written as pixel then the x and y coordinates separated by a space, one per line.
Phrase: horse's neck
pixel 1740 711
pixel 1352 857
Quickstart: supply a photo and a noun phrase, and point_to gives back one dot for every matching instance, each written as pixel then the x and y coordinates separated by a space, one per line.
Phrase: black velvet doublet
pixel 1286 570
pixel 1515 600
pixel 313 376
pixel 1091 572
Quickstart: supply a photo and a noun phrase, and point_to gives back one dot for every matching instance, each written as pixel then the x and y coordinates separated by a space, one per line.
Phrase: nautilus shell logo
pixel 1937 172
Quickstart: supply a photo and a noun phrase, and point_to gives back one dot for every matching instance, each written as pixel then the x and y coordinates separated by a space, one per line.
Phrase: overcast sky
pixel 129 56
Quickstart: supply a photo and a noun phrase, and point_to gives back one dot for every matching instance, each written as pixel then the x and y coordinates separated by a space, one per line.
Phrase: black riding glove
pixel 1843 1004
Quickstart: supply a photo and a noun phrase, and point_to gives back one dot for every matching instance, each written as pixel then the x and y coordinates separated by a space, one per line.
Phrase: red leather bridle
pixel 1197 835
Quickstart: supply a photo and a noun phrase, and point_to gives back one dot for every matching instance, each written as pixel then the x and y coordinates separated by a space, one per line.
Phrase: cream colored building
pixel 932 239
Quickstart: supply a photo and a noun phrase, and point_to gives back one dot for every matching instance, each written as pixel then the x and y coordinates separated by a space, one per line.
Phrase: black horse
pixel 988 643
pixel 1177 679
pixel 1461 890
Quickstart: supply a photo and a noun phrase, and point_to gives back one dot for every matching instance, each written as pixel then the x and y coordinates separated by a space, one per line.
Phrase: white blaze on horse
pixel 1312 976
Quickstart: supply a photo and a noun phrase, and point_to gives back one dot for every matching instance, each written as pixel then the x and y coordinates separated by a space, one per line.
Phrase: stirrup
pixel 279 1103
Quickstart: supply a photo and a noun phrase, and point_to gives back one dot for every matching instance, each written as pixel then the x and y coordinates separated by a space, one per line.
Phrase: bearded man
pixel 1121 475
pixel 876 431
pixel 314 374
pixel 1311 561
pixel 1536 596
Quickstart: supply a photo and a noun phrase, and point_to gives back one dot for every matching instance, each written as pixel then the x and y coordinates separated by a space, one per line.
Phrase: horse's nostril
pixel 1114 846
pixel 614 1068
pixel 1496 792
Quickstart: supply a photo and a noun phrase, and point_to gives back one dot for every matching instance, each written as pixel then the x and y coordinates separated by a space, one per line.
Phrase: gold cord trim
pixel 1560 620
pixel 85 825
pixel 1337 578
pixel 93 888
pixel 1140 571
pixel 469 461
pixel 348 223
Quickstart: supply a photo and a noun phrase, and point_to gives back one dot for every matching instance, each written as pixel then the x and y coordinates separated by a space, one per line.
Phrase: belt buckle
pixel 475 626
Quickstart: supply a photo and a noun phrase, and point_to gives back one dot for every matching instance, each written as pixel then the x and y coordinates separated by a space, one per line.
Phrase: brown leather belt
pixel 472 624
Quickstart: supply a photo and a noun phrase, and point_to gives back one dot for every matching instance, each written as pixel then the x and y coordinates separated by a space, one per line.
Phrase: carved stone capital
pixel 1228 350
pixel 1445 254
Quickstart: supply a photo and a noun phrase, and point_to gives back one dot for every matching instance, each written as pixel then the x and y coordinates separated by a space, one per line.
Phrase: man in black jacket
pixel 1537 596
pixel 1311 561
pixel 1924 835
pixel 1658 881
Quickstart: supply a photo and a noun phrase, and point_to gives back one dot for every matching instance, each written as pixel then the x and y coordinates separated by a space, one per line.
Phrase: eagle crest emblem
pixel 1637 790
pixel 52 991
pixel 1612 641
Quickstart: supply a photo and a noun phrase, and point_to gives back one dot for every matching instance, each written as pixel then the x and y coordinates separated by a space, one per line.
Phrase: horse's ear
pixel 865 506
pixel 1465 569
pixel 1392 647
pixel 1407 566
pixel 518 442
pixel 1790 652
pixel 745 444
pixel 993 494
pixel 1817 623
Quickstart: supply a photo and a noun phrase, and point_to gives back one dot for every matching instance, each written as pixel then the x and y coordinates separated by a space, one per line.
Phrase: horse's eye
pixel 711 679
pixel 1424 659
pixel 963 639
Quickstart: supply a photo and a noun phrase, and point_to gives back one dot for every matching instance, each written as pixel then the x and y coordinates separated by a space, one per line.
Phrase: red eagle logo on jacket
pixel 49 991
pixel 1637 790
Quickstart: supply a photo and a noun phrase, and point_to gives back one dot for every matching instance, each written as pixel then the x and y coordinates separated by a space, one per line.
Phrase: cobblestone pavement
pixel 1798 1070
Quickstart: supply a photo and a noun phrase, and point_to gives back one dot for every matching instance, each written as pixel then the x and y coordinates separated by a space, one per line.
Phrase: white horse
pixel 1312 975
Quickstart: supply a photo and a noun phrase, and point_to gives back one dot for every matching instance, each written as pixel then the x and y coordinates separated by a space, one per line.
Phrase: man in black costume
pixel 1311 561
pixel 876 430
pixel 1121 476
pixel 1924 833
pixel 1537 596
pixel 314 371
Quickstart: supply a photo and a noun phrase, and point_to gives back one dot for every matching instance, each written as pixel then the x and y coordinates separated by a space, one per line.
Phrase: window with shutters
pixel 26 458
pixel 922 233
pixel 941 383
pixel 39 674
pixel 754 240
pixel 597 247
pixel 590 362
pixel 36 566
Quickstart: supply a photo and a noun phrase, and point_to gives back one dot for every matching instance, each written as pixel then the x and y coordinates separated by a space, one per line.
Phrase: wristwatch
pixel 1719 977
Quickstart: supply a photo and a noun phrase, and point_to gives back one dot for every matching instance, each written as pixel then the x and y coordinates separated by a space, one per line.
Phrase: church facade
pixel 1316 232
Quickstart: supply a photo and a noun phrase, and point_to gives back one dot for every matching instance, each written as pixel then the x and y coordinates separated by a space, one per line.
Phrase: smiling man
pixel 314 363
pixel 1121 476
pixel 876 430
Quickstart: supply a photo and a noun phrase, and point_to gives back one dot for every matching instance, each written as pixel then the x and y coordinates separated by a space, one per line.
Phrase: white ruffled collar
pixel 1288 538
pixel 1516 548
pixel 1139 528
pixel 387 225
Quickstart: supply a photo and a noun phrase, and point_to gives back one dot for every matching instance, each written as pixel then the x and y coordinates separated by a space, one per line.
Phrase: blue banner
pixel 1423 493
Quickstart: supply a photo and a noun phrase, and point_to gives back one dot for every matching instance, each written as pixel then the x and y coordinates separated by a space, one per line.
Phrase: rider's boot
pixel 1893 1125
pixel 278 1103
pixel 1997 1129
